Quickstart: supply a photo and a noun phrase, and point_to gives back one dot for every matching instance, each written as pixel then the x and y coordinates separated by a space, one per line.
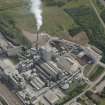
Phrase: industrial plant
pixel 45 72
pixel 52 52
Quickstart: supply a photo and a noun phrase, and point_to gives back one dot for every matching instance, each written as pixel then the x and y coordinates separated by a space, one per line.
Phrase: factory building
pixel 68 64
pixel 51 97
pixel 27 95
pixel 38 78
pixel 93 54
pixel 12 76
pixel 41 100
pixel 25 65
pixel 13 51
pixel 46 55
pixel 50 69
pixel 3 101
pixel 33 79
pixel 9 73
pixel 37 83
pixel 88 56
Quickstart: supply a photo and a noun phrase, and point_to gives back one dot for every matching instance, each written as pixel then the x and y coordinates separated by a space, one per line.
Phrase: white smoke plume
pixel 36 9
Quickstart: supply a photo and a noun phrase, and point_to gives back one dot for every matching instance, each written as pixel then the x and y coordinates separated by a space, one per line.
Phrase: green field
pixel 56 21
pixel 87 19
pixel 98 5
pixel 102 102
pixel 20 12
pixel 96 73
pixel 76 87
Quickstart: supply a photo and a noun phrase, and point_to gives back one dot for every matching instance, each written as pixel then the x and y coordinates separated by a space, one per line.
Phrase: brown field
pixel 9 97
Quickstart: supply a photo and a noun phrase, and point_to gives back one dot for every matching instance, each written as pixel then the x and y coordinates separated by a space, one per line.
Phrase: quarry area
pixel 53 72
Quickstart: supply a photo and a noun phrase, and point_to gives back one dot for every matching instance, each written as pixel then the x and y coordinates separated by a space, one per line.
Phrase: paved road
pixel 75 98
pixel 100 87
pixel 10 98
pixel 90 71
pixel 92 85
pixel 97 13
pixel 102 64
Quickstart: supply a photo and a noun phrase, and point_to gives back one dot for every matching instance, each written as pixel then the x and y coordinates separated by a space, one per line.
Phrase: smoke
pixel 36 9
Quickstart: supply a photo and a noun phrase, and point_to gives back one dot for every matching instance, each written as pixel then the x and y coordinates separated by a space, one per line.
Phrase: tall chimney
pixel 37 40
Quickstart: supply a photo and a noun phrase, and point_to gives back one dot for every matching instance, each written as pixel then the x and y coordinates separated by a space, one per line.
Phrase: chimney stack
pixel 37 40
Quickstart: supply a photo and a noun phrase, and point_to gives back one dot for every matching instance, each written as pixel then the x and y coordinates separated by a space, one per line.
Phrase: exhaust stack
pixel 37 40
